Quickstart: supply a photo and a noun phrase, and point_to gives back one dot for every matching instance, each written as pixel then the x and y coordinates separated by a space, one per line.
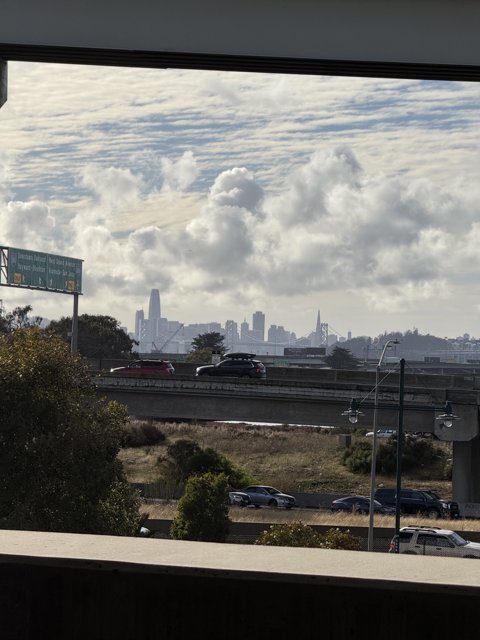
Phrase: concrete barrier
pixel 58 586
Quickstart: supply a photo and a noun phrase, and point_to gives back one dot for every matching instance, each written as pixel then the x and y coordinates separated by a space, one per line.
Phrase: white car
pixel 431 541
pixel 382 433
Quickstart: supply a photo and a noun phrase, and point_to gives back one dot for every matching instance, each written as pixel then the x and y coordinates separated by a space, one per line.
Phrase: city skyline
pixel 238 192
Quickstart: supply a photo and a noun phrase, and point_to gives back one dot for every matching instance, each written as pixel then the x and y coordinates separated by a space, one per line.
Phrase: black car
pixel 239 365
pixel 414 501
pixel 360 504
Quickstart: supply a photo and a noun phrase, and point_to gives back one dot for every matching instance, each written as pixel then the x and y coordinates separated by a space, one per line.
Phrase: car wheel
pixel 289 506
pixel 433 514
pixel 272 503
pixel 257 506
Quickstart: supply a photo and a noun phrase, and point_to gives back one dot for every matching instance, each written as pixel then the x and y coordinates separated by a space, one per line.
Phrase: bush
pixel 417 454
pixel 358 457
pixel 294 534
pixel 298 534
pixel 142 434
pixel 202 512
pixel 188 459
pixel 336 539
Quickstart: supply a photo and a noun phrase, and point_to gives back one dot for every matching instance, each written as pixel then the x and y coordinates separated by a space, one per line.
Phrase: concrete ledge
pixel 101 587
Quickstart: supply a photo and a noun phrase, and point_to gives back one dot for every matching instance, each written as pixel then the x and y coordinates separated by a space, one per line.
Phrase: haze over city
pixel 238 192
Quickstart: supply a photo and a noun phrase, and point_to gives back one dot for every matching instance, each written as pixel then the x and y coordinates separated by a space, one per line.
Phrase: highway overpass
pixel 317 401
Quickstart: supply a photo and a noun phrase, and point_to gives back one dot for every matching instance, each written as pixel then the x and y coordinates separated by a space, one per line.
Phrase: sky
pixel 238 192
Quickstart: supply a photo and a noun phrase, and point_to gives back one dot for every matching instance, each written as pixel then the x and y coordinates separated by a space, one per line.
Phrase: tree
pixel 341 358
pixel 18 318
pixel 98 336
pixel 59 443
pixel 212 340
pixel 202 512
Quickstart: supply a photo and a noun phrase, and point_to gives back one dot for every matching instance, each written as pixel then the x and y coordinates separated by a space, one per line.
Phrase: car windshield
pixel 457 539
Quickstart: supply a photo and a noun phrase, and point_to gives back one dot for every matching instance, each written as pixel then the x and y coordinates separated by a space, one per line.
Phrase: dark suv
pixel 424 503
pixel 239 365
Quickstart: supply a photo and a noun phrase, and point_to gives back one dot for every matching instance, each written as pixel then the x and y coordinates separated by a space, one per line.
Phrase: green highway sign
pixel 33 269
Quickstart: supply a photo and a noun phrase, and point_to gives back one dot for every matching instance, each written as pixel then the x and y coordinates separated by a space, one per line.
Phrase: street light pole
pixel 399 453
pixel 374 447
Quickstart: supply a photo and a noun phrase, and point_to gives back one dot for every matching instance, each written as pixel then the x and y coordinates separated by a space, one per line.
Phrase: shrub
pixel 294 534
pixel 188 459
pixel 336 539
pixel 298 534
pixel 417 453
pixel 212 461
pixel 179 453
pixel 202 512
pixel 358 457
pixel 142 434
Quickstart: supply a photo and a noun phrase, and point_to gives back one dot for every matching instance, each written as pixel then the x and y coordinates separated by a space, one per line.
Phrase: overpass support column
pixel 466 471
pixel 3 82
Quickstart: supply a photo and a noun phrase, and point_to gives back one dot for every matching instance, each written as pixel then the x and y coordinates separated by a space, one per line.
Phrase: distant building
pixel 231 335
pixel 154 305
pixel 258 326
pixel 244 332
pixel 139 319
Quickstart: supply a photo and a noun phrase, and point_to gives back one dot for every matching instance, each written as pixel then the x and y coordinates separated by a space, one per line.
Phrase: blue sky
pixel 233 192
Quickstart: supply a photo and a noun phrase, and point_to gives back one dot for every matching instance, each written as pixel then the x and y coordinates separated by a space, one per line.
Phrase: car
pixel 238 498
pixel 265 496
pixel 163 367
pixel 239 365
pixel 450 508
pixel 415 501
pixel 382 433
pixel 360 504
pixel 432 541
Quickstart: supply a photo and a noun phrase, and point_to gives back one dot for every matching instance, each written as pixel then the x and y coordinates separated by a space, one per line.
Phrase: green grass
pixel 294 459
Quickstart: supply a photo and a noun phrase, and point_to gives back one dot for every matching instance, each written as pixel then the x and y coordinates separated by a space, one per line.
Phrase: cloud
pixel 179 175
pixel 234 191
pixel 24 223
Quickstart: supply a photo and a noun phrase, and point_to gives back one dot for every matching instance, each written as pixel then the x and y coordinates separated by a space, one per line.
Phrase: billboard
pixel 37 270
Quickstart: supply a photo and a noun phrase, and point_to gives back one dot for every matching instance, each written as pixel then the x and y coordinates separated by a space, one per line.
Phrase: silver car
pixel 265 496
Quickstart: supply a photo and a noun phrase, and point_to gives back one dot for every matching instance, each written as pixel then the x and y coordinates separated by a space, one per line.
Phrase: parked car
pixel 360 504
pixel 414 501
pixel 382 433
pixel 261 496
pixel 238 499
pixel 239 365
pixel 431 541
pixel 164 367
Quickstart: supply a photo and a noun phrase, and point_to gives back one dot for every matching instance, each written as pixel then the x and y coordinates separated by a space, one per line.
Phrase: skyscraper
pixel 139 318
pixel 258 326
pixel 154 305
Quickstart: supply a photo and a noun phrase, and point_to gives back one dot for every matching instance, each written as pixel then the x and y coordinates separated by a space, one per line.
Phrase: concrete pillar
pixel 3 82
pixel 466 471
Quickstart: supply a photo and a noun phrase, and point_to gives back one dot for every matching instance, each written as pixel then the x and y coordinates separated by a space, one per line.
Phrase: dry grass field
pixel 291 458
pixel 167 511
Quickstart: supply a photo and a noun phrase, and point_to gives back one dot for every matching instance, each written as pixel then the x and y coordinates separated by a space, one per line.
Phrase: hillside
pixel 294 459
